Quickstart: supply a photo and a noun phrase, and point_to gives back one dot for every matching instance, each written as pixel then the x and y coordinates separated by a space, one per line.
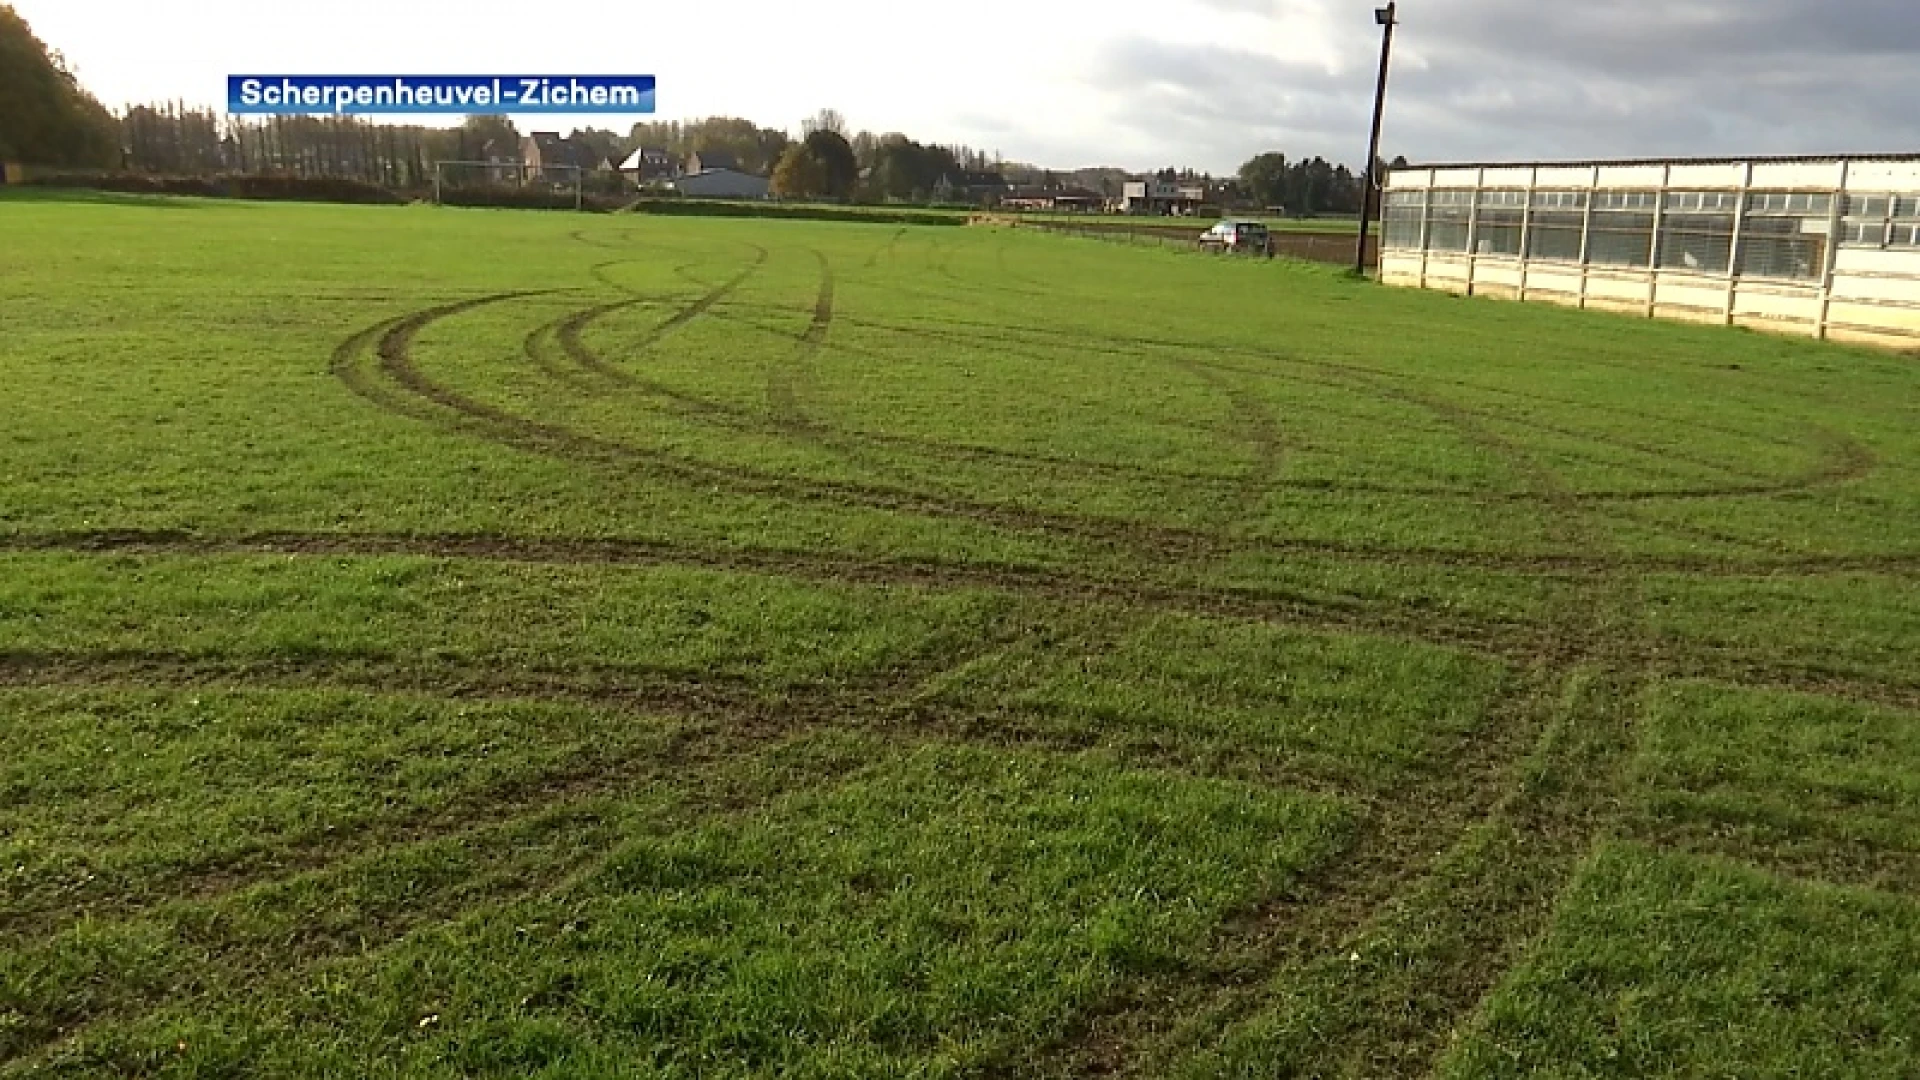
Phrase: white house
pixel 646 164
pixel 1161 197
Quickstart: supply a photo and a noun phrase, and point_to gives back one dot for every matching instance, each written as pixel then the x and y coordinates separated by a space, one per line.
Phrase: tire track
pixel 741 724
pixel 1398 844
pixel 1372 1020
pixel 1220 485
pixel 1518 643
pixel 713 708
pixel 793 379
pixel 570 331
pixel 558 843
pixel 393 343
pixel 1279 607
pixel 487 422
pixel 1252 421
pixel 582 236
pixel 858 570
pixel 886 250
pixel 1846 459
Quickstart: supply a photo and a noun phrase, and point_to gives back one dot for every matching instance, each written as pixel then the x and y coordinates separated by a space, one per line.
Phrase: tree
pixel 866 149
pixel 798 175
pixel 821 165
pixel 45 117
pixel 1345 191
pixel 757 149
pixel 826 120
pixel 603 144
pixel 904 169
pixel 1314 187
pixel 1264 178
pixel 475 132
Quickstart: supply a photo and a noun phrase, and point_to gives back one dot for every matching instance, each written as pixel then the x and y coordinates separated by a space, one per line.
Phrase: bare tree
pixel 826 120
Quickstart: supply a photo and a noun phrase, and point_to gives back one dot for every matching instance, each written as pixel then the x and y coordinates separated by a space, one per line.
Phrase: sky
pixel 1140 85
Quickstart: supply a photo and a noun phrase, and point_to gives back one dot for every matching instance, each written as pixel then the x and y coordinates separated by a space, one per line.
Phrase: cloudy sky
pixel 1205 83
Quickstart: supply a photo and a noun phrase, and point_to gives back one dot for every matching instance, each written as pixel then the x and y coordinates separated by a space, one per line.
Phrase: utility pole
pixel 1385 18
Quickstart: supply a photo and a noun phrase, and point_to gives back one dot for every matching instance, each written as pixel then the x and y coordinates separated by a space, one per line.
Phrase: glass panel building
pixel 1828 247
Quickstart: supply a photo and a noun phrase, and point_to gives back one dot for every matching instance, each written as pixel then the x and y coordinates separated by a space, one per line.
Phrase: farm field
pixel 453 642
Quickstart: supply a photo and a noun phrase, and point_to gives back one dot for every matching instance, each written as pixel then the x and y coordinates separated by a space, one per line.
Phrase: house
pixel 1161 197
pixel 504 166
pixel 544 150
pixel 707 160
pixel 647 164
pixel 721 184
pixel 982 188
pixel 1062 198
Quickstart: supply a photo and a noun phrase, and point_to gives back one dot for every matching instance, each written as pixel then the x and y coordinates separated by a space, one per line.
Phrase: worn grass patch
pixel 932 914
pixel 1665 965
pixel 1807 784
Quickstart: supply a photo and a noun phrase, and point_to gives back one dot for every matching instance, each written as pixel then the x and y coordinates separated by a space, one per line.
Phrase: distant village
pixel 714 158
pixel 719 174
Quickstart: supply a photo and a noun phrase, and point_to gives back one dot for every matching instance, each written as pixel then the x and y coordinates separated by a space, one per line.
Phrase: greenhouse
pixel 1823 246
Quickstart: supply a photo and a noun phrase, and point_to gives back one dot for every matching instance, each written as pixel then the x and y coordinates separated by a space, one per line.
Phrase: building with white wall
pixel 1161 197
pixel 1828 247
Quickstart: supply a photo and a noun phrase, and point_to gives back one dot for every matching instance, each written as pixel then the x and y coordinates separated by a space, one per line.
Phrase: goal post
pixel 482 175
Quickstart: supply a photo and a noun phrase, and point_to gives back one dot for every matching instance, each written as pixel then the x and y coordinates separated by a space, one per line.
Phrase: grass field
pixel 483 643
pixel 1335 225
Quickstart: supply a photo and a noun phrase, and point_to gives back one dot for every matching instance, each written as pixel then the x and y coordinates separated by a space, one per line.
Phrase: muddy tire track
pixel 1847 460
pixel 859 570
pixel 1048 586
pixel 582 236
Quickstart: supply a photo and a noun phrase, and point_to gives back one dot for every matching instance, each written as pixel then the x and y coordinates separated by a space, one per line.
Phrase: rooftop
pixel 1756 159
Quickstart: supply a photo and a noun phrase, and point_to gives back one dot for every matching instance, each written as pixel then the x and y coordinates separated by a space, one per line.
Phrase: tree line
pixel 45 116
pixel 1312 186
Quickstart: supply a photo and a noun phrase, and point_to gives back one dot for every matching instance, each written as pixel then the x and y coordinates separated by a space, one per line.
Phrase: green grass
pixel 454 642
pixel 937 912
pixel 1662 965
